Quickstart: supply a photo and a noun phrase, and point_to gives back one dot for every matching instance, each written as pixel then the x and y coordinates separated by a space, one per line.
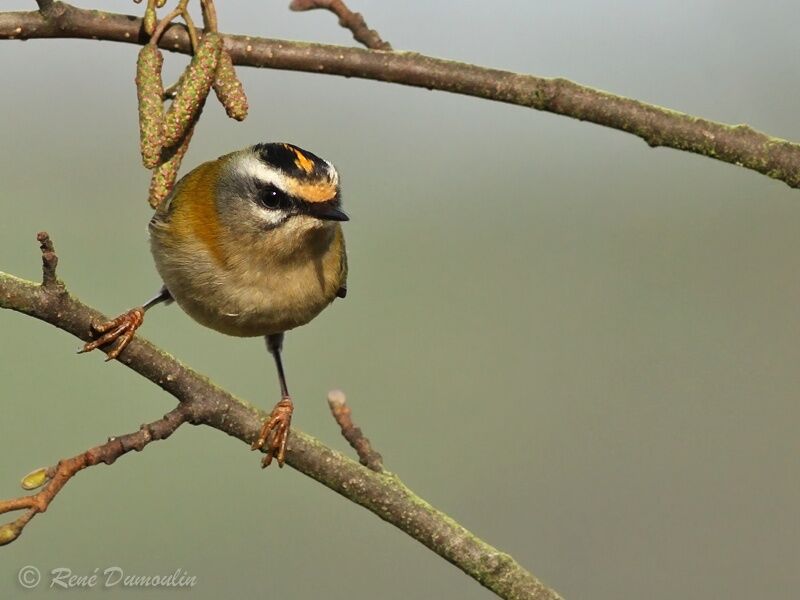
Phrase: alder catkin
pixel 229 89
pixel 150 91
pixel 164 176
pixel 193 88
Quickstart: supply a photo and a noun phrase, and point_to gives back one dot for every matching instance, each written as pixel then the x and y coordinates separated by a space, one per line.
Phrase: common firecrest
pixel 249 244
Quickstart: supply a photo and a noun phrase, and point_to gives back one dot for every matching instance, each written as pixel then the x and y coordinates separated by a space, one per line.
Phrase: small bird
pixel 250 245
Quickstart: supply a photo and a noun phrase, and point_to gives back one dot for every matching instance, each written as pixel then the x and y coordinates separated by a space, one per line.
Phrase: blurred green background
pixel 582 349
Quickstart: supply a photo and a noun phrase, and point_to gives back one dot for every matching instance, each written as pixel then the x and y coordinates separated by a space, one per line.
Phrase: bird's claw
pixel 119 330
pixel 275 433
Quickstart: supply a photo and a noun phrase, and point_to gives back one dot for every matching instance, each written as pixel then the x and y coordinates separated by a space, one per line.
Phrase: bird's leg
pixel 123 327
pixel 280 420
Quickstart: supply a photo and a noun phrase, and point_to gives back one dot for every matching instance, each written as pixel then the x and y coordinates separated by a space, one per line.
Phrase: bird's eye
pixel 273 198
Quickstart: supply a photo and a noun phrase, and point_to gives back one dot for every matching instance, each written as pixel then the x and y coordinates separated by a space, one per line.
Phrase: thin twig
pixel 209 14
pixel 187 18
pixel 348 19
pixel 167 22
pixel 58 476
pixel 735 144
pixel 204 403
pixel 367 455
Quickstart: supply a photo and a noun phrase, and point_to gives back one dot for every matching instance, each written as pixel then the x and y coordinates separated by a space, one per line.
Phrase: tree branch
pixel 739 145
pixel 203 403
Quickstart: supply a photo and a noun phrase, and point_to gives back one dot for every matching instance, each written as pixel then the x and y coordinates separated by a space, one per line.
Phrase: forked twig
pixel 56 477
pixel 348 19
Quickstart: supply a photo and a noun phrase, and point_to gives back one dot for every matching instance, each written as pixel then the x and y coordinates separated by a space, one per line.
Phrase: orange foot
pixel 122 329
pixel 278 425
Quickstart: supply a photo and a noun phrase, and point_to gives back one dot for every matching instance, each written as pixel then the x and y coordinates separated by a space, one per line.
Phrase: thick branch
pixel 739 144
pixel 202 402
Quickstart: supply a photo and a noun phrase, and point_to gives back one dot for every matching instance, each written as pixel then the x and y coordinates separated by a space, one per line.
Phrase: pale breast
pixel 261 288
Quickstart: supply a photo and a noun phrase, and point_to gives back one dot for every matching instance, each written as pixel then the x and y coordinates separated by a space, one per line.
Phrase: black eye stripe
pixel 271 197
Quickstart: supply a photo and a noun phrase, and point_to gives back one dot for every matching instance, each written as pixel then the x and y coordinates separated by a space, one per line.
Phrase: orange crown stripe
pixel 321 191
pixel 302 161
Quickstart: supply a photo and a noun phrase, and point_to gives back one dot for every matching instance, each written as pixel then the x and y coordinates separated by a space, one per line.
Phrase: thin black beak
pixel 329 213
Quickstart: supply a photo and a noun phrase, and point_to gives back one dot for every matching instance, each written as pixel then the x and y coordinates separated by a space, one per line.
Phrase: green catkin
pixel 229 89
pixel 150 91
pixel 164 176
pixel 193 89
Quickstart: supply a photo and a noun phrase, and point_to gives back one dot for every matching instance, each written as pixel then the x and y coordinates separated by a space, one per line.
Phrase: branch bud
pixel 9 532
pixel 34 479
pixel 150 20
